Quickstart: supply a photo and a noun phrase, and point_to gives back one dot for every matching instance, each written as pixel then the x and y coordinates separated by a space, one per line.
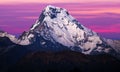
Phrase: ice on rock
pixel 61 27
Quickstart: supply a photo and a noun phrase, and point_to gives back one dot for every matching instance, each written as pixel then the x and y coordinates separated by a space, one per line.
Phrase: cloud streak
pixel 113 28
pixel 55 1
pixel 29 17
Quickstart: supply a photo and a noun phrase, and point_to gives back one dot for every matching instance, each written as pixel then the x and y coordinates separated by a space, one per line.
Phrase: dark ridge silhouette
pixel 66 61
pixel 5 42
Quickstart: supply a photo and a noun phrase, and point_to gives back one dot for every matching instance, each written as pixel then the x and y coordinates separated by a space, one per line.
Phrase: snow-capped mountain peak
pixel 57 30
pixel 58 26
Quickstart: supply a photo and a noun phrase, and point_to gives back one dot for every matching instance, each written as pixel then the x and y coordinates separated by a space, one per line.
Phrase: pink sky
pixel 56 1
pixel 102 17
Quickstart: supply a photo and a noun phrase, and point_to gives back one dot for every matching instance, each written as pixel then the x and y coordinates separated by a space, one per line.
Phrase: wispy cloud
pixel 97 15
pixel 29 17
pixel 114 28
pixel 3 25
pixel 54 1
pixel 94 11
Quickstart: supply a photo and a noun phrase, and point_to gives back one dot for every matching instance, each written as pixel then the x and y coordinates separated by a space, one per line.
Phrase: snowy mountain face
pixel 56 28
pixel 11 37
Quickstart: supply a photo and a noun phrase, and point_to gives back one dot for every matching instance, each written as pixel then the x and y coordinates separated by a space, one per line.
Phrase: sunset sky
pixel 102 16
pixel 56 1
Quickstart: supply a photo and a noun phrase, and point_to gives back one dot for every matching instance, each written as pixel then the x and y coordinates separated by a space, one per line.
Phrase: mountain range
pixel 58 39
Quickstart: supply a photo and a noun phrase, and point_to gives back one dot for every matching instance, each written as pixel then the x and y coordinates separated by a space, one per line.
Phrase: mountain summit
pixel 56 25
pixel 57 29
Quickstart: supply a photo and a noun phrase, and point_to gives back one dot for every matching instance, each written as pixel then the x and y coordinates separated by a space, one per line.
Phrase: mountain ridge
pixel 67 61
pixel 57 26
pixel 59 40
